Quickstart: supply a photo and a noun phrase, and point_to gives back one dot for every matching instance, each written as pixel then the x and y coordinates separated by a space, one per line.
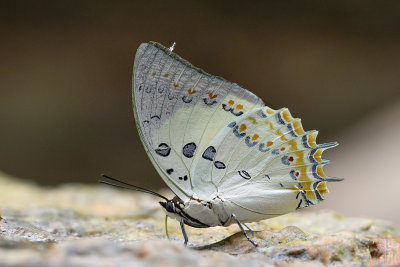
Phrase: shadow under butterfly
pixel 228 158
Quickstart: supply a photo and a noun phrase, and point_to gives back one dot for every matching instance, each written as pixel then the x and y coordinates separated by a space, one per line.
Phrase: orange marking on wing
pixel 252 119
pixel 279 133
pixel 286 115
pixel 176 85
pixel 311 139
pixel 307 187
pixel 255 137
pixel 283 149
pixel 231 102
pixel 271 126
pixel 242 127
pixel 302 174
pixel 311 195
pixel 211 96
pixel 322 188
pixel 299 157
pixel 269 143
pixel 293 145
pixel 294 189
pixel 318 155
pixel 191 92
pixel 165 75
pixel 320 171
pixel 269 111
pixel 298 128
pixel 239 106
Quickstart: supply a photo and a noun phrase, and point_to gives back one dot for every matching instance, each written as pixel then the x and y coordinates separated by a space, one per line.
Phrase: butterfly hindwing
pixel 272 165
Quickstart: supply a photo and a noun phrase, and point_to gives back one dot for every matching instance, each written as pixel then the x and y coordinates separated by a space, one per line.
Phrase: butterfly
pixel 227 157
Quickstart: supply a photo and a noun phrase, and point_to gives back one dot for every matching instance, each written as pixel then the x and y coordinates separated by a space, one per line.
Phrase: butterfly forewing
pixel 149 93
pixel 179 109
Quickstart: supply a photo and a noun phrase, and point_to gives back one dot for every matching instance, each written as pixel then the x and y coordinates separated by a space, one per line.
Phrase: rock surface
pixel 95 225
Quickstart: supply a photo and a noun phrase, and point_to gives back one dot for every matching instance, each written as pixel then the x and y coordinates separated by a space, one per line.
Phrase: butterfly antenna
pixel 129 186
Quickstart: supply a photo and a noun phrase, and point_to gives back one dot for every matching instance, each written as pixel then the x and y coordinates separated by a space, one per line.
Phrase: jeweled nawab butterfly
pixel 227 157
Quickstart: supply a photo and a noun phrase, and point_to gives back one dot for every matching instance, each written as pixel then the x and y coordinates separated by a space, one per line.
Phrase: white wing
pixel 272 166
pixel 179 109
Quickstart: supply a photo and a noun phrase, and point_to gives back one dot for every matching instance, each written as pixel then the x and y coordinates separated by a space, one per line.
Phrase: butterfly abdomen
pixel 197 213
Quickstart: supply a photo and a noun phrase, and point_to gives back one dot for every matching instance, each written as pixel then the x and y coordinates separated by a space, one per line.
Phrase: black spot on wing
pixel 219 165
pixel 189 149
pixel 261 114
pixel 148 89
pixel 231 110
pixel 240 113
pixel 226 108
pixel 169 171
pixel 208 102
pixel 209 153
pixel 244 174
pixel 186 99
pixel 183 178
pixel 232 124
pixel 316 191
pixel 262 149
pixel 248 143
pixel 279 118
pixel 163 150
pixel 235 132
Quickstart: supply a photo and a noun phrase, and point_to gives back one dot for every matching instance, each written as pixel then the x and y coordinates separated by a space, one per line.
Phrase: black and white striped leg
pixel 243 231
pixel 184 232
pixel 248 227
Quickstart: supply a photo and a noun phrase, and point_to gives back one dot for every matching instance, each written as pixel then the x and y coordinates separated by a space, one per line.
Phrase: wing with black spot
pixel 272 166
pixel 178 110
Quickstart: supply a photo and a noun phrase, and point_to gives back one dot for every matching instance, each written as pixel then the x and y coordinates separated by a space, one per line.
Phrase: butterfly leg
pixel 243 231
pixel 184 232
pixel 248 227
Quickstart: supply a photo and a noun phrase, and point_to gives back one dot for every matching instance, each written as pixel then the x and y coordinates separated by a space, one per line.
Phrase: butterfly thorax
pixel 197 213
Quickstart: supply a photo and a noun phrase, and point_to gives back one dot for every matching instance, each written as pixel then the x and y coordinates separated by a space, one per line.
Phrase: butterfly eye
pixel 169 206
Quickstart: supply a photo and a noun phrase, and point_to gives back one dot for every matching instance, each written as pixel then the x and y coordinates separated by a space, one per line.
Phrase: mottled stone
pixel 91 225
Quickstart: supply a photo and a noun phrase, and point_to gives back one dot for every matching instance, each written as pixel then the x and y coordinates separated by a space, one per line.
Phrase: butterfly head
pixel 174 205
pixel 175 208
pixel 169 206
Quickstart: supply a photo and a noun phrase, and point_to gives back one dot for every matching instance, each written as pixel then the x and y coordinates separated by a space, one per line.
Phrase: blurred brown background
pixel 65 83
